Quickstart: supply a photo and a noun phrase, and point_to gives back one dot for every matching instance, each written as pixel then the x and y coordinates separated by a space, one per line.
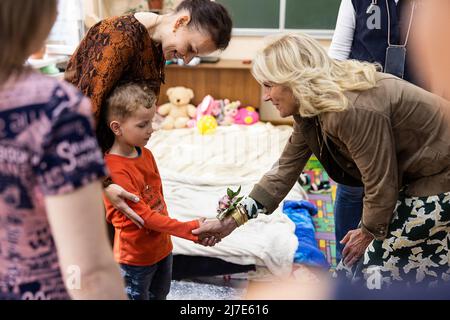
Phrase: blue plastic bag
pixel 301 212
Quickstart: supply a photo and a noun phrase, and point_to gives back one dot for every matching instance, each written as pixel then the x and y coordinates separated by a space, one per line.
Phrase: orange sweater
pixel 151 244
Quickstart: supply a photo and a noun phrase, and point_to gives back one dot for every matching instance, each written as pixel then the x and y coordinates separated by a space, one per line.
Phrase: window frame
pixel 326 34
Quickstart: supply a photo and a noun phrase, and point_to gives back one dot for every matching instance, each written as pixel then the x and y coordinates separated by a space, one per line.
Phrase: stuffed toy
pixel 207 125
pixel 230 111
pixel 178 111
pixel 208 107
pixel 247 116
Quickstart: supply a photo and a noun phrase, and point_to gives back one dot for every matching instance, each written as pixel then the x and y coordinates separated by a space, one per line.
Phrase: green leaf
pixel 239 199
pixel 237 192
pixel 230 193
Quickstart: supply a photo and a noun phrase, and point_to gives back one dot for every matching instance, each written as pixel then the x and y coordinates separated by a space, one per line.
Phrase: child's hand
pixel 207 239
pixel 214 230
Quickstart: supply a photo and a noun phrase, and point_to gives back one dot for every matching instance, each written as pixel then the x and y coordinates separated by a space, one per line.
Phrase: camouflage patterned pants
pixel 416 249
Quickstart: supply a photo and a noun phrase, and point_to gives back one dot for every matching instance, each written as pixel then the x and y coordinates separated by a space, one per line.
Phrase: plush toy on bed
pixel 207 125
pixel 208 107
pixel 230 111
pixel 178 111
pixel 247 116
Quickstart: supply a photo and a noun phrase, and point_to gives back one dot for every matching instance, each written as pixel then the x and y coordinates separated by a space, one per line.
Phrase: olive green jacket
pixel 393 137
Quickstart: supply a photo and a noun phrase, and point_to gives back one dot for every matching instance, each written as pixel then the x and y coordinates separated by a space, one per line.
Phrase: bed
pixel 196 171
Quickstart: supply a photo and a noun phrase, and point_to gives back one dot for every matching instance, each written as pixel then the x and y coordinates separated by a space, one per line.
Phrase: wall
pixel 107 8
pixel 243 47
pixel 96 10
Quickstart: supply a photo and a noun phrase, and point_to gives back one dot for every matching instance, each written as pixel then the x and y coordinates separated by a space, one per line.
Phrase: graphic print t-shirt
pixel 47 147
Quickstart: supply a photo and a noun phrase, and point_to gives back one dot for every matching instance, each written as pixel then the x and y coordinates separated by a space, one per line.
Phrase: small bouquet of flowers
pixel 228 203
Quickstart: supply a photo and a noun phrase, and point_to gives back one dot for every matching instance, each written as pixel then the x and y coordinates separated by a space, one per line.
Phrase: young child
pixel 144 254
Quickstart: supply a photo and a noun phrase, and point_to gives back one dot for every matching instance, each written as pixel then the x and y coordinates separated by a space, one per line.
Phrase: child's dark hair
pixel 211 17
pixel 121 103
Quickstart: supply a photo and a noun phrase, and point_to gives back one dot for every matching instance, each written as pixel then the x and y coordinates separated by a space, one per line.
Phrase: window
pixel 69 26
pixel 262 17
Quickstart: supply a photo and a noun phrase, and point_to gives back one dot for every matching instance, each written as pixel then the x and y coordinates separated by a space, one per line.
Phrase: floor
pixel 211 288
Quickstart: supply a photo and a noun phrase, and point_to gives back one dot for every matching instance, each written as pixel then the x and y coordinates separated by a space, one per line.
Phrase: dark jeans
pixel 148 282
pixel 348 209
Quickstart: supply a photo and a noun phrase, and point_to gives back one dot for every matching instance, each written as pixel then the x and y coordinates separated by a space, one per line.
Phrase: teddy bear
pixel 178 111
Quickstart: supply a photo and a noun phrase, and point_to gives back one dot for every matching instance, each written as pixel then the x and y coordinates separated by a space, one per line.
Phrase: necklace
pixel 152 29
pixel 318 133
pixel 396 53
pixel 409 26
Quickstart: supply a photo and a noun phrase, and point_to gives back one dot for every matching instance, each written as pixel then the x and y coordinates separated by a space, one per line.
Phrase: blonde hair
pixel 122 102
pixel 21 22
pixel 318 82
pixel 127 98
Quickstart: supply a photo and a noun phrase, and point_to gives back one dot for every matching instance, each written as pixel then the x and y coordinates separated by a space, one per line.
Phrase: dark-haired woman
pixel 133 48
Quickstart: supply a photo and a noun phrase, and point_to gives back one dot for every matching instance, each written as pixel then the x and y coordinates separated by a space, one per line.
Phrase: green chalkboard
pixel 300 14
pixel 311 14
pixel 258 14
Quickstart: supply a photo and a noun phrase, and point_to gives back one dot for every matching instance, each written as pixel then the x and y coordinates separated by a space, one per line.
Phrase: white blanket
pixel 196 170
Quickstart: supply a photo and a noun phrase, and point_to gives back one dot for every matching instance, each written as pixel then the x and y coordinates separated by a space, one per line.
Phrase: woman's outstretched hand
pixel 208 240
pixel 117 196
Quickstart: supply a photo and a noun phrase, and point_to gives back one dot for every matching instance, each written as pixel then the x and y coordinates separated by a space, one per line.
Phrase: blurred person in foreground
pixel 432 44
pixel 51 209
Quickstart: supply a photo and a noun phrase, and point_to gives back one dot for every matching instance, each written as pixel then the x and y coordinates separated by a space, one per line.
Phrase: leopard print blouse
pixel 115 51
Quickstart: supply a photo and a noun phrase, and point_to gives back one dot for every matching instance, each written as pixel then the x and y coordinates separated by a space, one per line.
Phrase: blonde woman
pixel 51 210
pixel 367 129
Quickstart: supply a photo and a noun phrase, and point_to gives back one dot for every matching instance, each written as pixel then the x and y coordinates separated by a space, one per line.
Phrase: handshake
pixel 230 215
